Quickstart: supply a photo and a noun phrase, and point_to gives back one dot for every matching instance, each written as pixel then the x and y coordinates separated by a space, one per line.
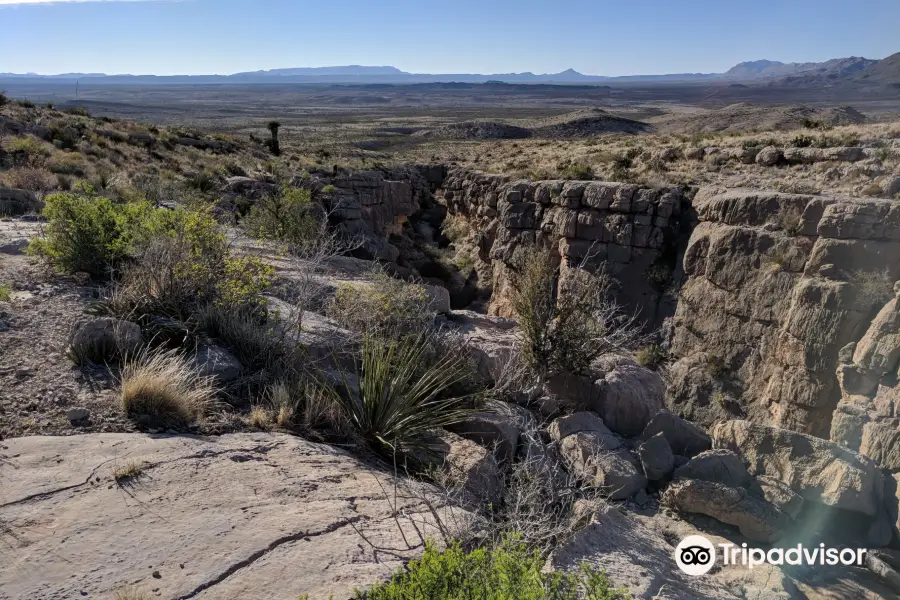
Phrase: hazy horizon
pixel 206 37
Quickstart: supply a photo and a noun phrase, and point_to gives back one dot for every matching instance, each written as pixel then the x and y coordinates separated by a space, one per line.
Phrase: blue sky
pixel 597 37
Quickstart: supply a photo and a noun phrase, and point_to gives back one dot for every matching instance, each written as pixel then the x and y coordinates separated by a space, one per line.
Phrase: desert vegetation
pixel 509 570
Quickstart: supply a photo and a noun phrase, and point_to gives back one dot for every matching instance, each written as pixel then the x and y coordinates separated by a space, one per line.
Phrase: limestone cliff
pixel 628 232
pixel 775 285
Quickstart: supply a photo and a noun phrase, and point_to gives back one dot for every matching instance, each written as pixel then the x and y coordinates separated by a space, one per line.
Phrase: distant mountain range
pixel 760 69
pixel 853 68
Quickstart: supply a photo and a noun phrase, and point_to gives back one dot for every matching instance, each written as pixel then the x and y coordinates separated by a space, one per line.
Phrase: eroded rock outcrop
pixel 817 470
pixel 775 285
pixel 622 229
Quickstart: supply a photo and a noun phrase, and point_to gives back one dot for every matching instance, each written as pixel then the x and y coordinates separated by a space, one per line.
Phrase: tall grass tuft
pixel 161 389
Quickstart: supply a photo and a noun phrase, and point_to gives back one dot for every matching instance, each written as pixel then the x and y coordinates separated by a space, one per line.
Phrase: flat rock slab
pixel 263 516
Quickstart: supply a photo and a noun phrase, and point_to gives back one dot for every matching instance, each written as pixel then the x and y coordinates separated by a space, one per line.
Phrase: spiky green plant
pixel 404 395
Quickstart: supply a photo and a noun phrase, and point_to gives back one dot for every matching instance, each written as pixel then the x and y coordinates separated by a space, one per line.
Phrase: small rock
pixel 218 363
pixel 78 414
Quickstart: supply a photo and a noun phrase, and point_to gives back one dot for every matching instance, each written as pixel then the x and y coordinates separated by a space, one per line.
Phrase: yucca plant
pixel 403 396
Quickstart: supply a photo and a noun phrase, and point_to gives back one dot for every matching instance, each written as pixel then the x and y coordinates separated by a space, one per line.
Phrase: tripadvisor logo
pixel 696 555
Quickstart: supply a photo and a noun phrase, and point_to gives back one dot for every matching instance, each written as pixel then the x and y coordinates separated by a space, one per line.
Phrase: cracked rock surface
pixel 263 516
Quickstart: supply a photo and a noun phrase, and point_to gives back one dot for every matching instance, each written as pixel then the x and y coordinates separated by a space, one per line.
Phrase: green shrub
pixel 27 150
pixel 508 571
pixel 287 216
pixel 65 137
pixel 78 111
pixel 577 171
pixel 5 293
pixel 802 141
pixel 650 356
pixel 404 395
pixel 202 181
pixel 87 233
pixel 382 307
pixel 183 264
pixel 255 345
pixel 566 329
pixel 328 189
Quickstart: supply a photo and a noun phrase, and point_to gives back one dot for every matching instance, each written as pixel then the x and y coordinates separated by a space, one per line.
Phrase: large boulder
pixel 892 501
pixel 595 456
pixel 583 422
pixel 467 465
pixel 685 438
pixel 717 466
pixel 14 202
pixel 491 341
pixel 890 185
pixel 656 457
pixel 628 395
pixel 498 428
pixel 613 472
pixel 203 518
pixel 105 340
pixel 437 298
pixel 780 496
pixel 818 470
pixel 757 519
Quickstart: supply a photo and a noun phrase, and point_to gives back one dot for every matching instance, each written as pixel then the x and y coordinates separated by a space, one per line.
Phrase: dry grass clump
pixel 33 179
pixel 132 593
pixel 307 404
pixel 127 471
pixel 255 344
pixel 874 287
pixel 162 389
pixel 384 307
pixel 261 417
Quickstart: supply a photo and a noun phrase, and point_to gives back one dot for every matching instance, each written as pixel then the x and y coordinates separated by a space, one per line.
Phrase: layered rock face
pixel 774 286
pixel 766 288
pixel 626 231
pixel 375 204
